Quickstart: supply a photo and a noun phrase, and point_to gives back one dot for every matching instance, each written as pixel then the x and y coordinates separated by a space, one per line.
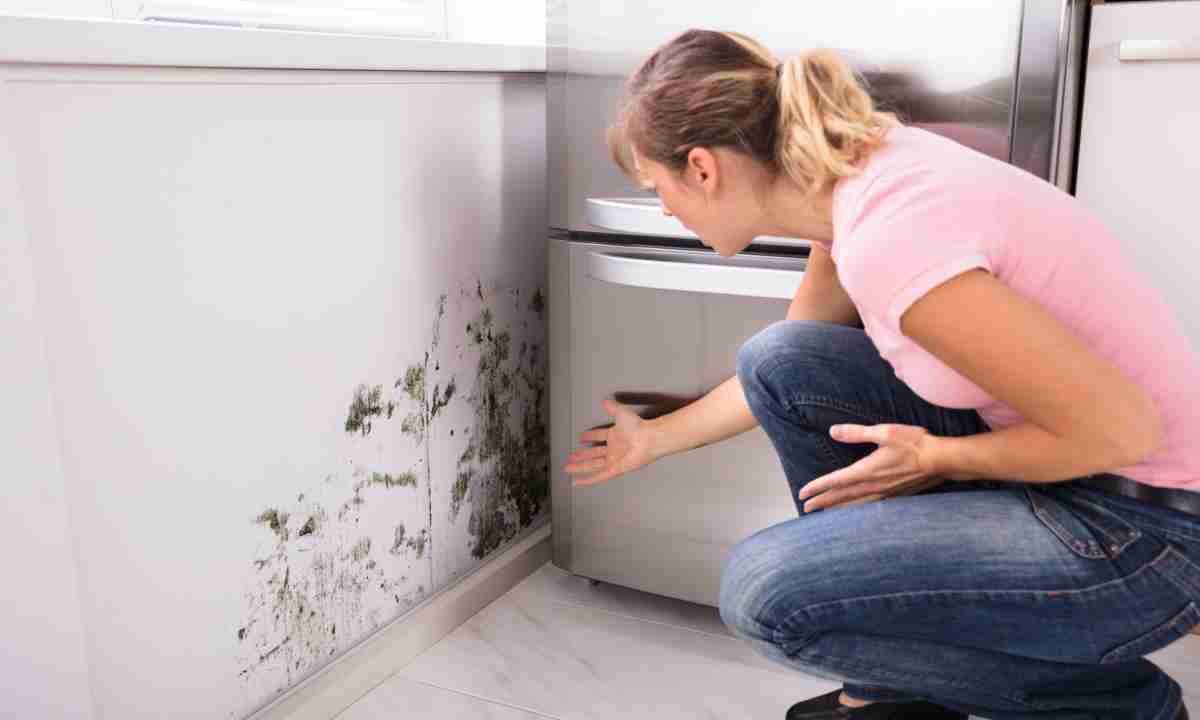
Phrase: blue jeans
pixel 999 599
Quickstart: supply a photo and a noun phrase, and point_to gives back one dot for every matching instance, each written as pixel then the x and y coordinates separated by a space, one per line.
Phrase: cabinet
pixel 1139 155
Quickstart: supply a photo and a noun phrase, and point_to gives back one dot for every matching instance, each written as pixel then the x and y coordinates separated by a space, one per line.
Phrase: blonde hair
pixel 808 117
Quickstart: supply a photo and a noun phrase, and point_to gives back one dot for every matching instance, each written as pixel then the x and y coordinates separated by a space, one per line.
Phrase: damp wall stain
pixel 504 469
pixel 335 562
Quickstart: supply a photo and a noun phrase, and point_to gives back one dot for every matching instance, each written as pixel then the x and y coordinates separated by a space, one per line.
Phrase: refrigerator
pixel 642 312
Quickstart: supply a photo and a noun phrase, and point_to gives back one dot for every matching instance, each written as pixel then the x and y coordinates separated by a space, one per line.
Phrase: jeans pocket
pixel 1085 528
pixel 1157 638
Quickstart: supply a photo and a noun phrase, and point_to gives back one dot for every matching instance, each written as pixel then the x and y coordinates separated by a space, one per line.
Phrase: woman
pixel 993 414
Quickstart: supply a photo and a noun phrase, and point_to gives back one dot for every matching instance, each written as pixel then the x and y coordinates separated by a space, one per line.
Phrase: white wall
pixel 515 22
pixel 42 655
pixel 222 259
pixel 62 8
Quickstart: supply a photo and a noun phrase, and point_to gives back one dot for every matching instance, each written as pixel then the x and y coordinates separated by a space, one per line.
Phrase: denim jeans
pixel 999 599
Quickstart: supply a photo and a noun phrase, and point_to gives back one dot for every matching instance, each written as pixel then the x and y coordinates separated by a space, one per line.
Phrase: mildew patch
pixel 276 521
pixel 366 406
pixel 402 543
pixel 408 478
pixel 337 561
pixel 316 587
pixel 504 469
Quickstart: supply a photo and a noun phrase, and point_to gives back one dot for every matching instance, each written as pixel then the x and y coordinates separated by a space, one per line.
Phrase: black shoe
pixel 829 707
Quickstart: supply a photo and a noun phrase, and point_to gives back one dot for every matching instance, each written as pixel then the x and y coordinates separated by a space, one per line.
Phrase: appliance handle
pixel 693 276
pixel 1143 50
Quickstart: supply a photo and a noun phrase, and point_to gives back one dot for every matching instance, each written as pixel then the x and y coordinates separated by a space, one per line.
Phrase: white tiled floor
pixel 557 646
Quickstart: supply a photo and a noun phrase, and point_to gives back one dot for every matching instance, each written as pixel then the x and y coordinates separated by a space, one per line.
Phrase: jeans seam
pixel 1116 546
pixel 1084 548
pixel 818 608
pixel 849 666
pixel 1184 586
pixel 831 404
pixel 834 404
pixel 830 453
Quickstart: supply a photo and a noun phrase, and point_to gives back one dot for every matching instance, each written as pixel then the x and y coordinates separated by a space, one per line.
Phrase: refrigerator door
pixel 657 328
pixel 997 76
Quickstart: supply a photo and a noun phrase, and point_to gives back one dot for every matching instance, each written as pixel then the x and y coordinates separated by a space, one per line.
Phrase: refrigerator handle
pixel 663 274
pixel 1146 50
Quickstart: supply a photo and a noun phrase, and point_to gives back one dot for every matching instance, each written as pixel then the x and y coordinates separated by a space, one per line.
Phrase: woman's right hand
pixel 628 445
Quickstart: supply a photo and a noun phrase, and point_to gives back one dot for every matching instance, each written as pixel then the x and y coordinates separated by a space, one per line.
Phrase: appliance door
pixel 657 328
pixel 1138 171
pixel 996 75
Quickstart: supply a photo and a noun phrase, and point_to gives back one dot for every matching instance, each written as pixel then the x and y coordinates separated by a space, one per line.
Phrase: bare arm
pixel 723 412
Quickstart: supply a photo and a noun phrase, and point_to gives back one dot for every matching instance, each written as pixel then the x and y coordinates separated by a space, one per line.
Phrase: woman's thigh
pixel 991 569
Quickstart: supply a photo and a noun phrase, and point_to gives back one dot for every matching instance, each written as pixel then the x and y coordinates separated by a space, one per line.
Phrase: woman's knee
pixel 754 584
pixel 774 344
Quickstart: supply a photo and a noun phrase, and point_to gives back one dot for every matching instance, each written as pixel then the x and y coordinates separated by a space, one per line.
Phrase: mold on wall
pixel 466 418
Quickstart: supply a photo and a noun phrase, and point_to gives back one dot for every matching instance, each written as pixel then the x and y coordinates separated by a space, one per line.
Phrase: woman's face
pixel 704 199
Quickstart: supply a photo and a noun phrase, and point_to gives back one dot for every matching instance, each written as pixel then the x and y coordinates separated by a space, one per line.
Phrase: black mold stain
pixel 366 404
pixel 504 470
pixel 304 591
pixel 327 573
pixel 458 493
pixel 398 545
pixel 275 520
pixel 405 479
pixel 403 543
pixel 310 526
pixel 361 549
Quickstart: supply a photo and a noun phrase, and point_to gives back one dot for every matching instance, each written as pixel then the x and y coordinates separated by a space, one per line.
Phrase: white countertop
pixel 117 42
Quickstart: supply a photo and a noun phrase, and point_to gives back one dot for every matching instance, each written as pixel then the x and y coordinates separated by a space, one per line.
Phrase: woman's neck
pixel 791 213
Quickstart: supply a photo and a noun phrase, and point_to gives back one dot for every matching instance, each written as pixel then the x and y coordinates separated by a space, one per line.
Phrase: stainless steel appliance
pixel 641 311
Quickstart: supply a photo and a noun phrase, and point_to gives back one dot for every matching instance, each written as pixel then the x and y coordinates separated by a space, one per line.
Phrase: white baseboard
pixel 354 674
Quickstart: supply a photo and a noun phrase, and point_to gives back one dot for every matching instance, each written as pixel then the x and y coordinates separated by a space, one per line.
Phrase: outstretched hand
pixel 627 446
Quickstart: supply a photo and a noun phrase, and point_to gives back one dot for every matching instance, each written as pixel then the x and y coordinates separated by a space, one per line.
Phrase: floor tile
pixel 398 697
pixel 580 663
pixel 553 583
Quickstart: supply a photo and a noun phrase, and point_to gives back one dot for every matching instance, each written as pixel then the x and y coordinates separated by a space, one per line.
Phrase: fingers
pixel 858 501
pixel 849 475
pixel 851 433
pixel 849 495
pixel 588 454
pixel 596 435
pixel 594 479
pixel 585 466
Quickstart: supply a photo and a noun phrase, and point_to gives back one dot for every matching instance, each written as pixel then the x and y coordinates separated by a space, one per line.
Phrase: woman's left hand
pixel 899 466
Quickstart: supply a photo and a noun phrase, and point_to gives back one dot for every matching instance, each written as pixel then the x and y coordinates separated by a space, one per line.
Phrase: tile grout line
pixel 481 698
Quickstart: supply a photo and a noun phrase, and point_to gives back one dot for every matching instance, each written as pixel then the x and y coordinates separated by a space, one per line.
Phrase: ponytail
pixel 827 121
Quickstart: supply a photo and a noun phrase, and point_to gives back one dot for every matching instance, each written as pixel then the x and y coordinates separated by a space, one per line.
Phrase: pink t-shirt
pixel 925 209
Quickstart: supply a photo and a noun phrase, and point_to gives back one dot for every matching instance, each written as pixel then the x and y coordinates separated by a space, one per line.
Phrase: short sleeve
pixel 907 235
pixel 942 270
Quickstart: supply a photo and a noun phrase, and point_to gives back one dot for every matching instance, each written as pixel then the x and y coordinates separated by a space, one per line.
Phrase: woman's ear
pixel 702 169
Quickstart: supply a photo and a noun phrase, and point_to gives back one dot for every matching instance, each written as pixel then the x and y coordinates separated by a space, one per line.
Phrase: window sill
pixel 115 42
